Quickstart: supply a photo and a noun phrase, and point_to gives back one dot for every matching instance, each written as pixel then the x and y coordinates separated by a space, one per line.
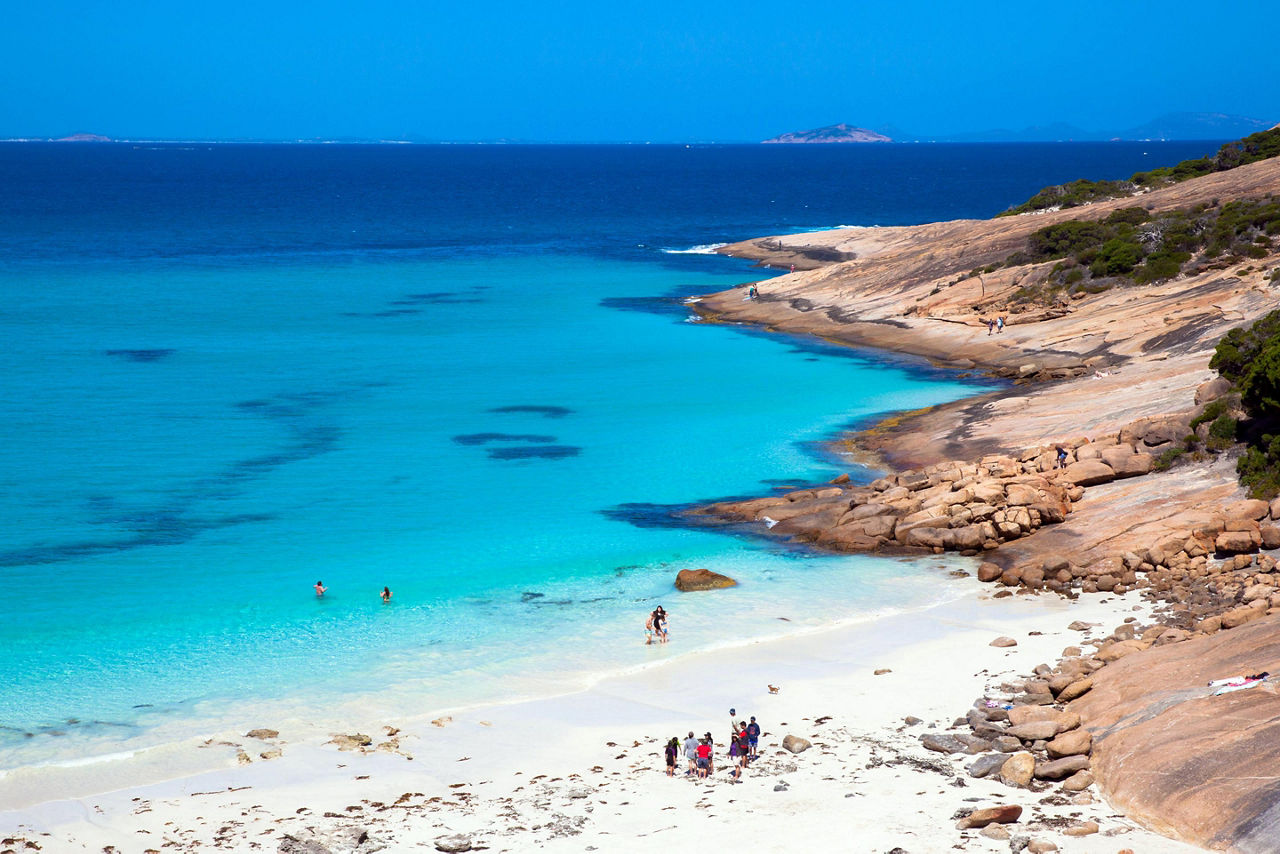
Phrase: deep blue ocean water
pixel 464 372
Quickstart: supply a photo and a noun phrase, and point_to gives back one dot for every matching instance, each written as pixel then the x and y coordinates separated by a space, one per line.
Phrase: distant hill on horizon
pixel 841 133
pixel 1170 126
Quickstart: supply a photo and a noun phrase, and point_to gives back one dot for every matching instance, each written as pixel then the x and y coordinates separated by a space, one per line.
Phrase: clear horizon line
pixel 517 142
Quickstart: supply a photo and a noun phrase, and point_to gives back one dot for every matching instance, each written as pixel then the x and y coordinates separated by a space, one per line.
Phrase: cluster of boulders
pixel 952 506
pixel 1220 566
pixel 1219 577
pixel 1024 736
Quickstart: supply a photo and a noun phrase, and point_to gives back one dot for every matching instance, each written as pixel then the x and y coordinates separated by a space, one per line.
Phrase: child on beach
pixel 672 751
pixel 648 630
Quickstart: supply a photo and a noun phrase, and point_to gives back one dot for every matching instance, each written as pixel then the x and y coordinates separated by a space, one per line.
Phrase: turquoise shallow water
pixel 296 428
pixel 462 372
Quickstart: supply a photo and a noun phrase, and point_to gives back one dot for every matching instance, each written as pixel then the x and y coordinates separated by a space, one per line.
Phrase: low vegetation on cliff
pixel 1258 146
pixel 1134 246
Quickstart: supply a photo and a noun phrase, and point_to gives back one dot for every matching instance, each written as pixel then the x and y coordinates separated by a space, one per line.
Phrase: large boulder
pixel 1078 741
pixel 1249 508
pixel 1134 465
pixel 1089 473
pixel 1076 689
pixel 985 765
pixel 926 537
pixel 1034 730
pixel 1005 814
pixel 942 743
pixel 1018 769
pixel 1154 431
pixel 1022 494
pixel 688 580
pixel 1065 720
pixel 796 744
pixel 1237 542
pixel 1059 768
pixel 1209 391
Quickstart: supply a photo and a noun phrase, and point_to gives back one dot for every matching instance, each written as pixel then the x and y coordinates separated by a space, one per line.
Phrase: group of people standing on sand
pixel 321 590
pixel 744 740
pixel 995 324
pixel 656 626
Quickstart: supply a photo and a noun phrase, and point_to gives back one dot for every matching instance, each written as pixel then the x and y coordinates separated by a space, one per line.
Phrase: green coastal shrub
pixel 1258 146
pixel 1250 358
pixel 1135 246
pixel 1168 457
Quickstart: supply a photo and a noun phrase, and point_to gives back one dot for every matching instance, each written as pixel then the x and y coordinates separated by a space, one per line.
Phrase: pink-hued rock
pixel 688 580
pixel 1168 754
pixel 1089 473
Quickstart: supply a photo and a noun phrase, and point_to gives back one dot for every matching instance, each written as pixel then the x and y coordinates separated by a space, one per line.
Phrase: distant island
pixel 833 133
pixel 84 137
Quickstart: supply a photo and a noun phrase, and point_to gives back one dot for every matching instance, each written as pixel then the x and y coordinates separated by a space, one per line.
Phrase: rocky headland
pixel 1118 381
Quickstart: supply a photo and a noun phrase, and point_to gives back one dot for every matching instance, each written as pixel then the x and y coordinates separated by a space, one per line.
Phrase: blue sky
pixel 586 70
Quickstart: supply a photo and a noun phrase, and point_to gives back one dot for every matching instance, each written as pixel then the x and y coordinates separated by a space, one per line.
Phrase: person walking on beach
pixel 691 753
pixel 386 595
pixel 753 737
pixel 320 588
pixel 672 751
pixel 648 630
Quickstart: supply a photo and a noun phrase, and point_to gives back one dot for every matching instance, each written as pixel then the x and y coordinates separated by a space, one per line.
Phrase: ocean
pixel 466 373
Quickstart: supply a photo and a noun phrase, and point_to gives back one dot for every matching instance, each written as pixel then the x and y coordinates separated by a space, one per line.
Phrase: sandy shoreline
pixel 515 775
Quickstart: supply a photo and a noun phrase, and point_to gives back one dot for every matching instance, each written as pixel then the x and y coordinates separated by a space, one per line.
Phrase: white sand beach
pixel 584 771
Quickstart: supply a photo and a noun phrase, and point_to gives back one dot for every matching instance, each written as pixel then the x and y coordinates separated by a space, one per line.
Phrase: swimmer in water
pixel 386 594
pixel 320 588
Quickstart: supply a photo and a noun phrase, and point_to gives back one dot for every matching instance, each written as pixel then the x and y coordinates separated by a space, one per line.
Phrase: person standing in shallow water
pixel 386 594
pixel 660 624
pixel 320 588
